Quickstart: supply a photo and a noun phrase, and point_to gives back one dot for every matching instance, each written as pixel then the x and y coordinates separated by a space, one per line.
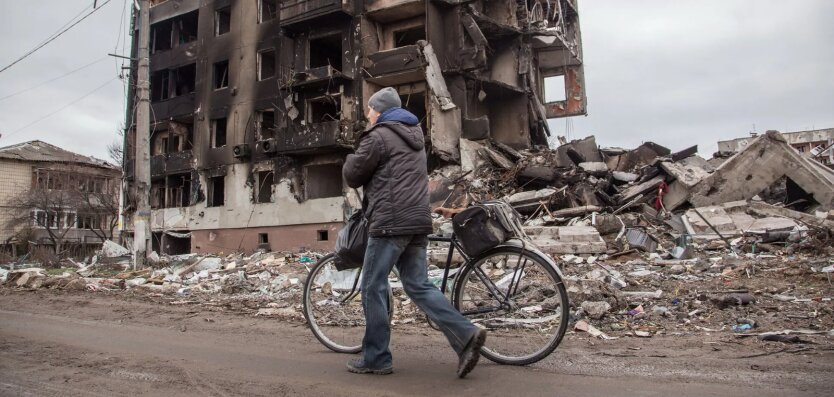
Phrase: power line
pixel 53 79
pixel 61 108
pixel 53 37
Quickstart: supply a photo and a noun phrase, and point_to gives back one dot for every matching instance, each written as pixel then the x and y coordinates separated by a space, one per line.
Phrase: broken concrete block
pixel 556 240
pixel 594 168
pixel 632 192
pixel 529 201
pixel 586 148
pixel 575 211
pixel 110 249
pixel 645 154
pixel 596 310
pixel 689 176
pixel 624 176
pixel 470 157
pixel 730 220
pixel 497 158
pixel 20 277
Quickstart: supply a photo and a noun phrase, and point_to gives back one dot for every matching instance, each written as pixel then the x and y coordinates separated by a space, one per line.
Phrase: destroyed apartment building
pixel 256 103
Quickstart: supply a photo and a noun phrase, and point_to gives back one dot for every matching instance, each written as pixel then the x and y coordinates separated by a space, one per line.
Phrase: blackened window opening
pixel 217 191
pixel 267 10
pixel 159 86
pixel 222 21
pixel 218 132
pixel 266 64
pixel 320 110
pixel 409 36
pixel 416 104
pixel 221 74
pixel 161 36
pixel 263 190
pixel 265 124
pixel 174 32
pixel 326 50
pixel 185 79
pixel 185 27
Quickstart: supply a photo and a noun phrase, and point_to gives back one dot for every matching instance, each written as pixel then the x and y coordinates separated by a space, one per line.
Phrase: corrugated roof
pixel 42 151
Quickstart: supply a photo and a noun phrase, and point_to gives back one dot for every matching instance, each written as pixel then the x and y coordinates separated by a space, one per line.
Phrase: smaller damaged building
pixel 256 103
pixel 816 144
pixel 54 198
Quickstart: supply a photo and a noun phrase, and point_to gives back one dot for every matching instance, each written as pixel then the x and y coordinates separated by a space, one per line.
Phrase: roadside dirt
pixel 92 344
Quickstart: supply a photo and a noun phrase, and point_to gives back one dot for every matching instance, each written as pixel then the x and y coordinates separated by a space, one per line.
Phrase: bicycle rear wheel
pixel 519 298
pixel 333 306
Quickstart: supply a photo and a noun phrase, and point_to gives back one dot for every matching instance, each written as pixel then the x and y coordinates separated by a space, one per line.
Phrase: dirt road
pixel 60 344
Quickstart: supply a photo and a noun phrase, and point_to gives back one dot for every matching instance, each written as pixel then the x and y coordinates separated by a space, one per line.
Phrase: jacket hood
pixel 404 124
pixel 399 115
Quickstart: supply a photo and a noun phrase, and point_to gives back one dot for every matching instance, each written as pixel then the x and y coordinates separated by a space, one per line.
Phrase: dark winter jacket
pixel 390 163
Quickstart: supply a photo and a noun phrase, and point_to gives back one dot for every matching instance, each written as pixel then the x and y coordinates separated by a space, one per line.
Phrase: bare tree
pixel 116 149
pixel 44 209
pixel 99 210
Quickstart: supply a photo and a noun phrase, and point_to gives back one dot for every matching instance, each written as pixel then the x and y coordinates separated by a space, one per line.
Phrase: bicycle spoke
pixel 520 300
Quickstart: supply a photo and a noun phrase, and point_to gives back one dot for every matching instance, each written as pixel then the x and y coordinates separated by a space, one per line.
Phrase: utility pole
pixel 142 181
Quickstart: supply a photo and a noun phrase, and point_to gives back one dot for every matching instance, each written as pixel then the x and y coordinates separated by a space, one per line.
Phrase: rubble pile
pixel 650 241
pixel 659 242
pixel 266 284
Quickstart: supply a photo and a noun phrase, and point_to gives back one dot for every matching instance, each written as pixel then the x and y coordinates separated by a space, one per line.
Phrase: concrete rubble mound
pixel 651 242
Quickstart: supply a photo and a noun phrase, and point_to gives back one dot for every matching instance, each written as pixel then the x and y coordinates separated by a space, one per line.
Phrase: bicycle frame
pixel 454 245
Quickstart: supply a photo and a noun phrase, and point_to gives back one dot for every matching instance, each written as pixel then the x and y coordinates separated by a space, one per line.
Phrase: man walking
pixel 390 163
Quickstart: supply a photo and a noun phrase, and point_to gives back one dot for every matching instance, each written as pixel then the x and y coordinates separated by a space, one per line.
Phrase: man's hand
pixel 447 212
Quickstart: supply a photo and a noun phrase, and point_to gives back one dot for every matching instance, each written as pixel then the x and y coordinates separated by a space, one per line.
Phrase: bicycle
pixel 513 290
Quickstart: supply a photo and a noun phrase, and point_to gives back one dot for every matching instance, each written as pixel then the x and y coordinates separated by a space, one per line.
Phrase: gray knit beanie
pixel 385 99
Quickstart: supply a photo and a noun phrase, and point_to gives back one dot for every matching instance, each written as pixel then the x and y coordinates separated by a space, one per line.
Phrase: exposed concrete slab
pixel 636 190
pixel 566 239
pixel 758 166
pixel 470 157
pixel 594 167
pixel 731 219
pixel 686 174
pixel 586 147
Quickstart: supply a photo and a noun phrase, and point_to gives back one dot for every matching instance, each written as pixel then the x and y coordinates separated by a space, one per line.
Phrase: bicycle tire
pixel 495 349
pixel 354 331
pixel 349 343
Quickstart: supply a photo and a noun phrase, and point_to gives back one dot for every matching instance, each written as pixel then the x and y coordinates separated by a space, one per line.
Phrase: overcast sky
pixel 674 72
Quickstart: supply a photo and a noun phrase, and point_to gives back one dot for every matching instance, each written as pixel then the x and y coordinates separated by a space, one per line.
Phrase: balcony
pixel 394 10
pixel 323 74
pixel 314 137
pixel 295 12
pixel 164 164
pixel 398 66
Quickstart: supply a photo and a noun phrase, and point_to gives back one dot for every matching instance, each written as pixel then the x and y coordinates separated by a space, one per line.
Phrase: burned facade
pixel 255 103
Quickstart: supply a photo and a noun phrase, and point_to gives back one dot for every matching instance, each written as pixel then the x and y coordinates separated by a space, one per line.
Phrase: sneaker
pixel 471 353
pixel 357 366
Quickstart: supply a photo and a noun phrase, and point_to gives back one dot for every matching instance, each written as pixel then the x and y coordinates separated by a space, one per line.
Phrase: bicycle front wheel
pixel 333 306
pixel 519 298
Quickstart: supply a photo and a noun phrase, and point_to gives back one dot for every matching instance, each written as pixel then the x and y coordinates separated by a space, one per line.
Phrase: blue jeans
pixel 408 253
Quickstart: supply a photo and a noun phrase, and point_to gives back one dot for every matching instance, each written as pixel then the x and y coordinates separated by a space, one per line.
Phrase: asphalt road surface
pixel 59 344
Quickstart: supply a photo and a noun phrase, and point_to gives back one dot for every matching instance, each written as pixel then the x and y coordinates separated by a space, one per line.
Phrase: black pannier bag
pixel 351 242
pixel 486 225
